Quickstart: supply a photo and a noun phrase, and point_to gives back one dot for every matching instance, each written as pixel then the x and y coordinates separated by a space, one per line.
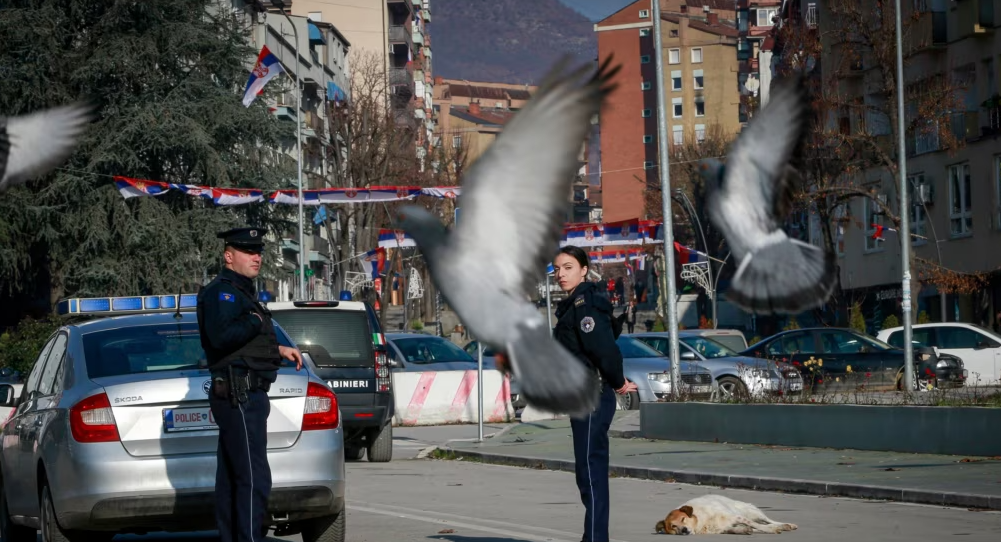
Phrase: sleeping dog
pixel 716 514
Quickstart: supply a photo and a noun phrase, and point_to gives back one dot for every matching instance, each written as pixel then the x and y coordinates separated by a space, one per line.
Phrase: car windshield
pixel 708 348
pixel 149 349
pixel 633 348
pixel 872 342
pixel 343 334
pixel 430 349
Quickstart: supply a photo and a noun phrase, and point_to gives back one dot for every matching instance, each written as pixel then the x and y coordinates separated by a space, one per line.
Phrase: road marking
pixel 442 518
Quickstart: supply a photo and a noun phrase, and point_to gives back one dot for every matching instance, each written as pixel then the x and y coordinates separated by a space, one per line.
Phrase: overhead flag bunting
pixel 395 239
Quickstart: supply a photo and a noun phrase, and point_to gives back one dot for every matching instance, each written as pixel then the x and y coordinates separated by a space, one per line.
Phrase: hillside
pixel 507 41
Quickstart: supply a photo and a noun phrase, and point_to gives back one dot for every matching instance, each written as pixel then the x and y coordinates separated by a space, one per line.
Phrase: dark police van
pixel 344 344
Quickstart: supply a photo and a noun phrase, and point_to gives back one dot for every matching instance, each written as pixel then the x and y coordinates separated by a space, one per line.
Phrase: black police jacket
pixel 584 327
pixel 236 329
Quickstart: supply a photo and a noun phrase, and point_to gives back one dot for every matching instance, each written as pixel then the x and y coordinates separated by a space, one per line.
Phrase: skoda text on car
pixel 113 433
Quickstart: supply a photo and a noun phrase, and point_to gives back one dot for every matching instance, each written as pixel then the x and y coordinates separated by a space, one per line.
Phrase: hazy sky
pixel 596 10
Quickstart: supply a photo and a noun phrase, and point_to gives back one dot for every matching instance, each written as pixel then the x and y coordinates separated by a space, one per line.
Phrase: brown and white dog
pixel 716 514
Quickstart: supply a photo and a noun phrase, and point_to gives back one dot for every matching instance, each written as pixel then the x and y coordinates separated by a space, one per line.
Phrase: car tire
pixel 325 529
pixel 380 448
pixel 629 401
pixel 9 532
pixel 733 387
pixel 354 453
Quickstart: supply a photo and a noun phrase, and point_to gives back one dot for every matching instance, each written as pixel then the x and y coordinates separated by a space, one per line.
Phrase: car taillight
pixel 321 408
pixel 91 420
pixel 383 381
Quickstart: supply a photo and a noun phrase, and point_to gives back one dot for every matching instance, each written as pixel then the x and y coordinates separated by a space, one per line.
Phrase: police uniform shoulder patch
pixel 579 301
pixel 226 296
pixel 587 324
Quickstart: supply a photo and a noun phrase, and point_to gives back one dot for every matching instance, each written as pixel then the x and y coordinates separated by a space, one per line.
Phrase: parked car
pixel 490 363
pixel 416 352
pixel 844 351
pixel 731 338
pixel 737 376
pixel 979 348
pixel 650 370
pixel 113 433
pixel 344 342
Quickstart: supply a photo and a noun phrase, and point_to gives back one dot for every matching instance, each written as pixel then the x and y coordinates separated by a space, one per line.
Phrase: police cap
pixel 251 239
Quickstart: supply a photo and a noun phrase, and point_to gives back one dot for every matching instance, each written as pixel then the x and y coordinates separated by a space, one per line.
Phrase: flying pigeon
pixel 514 200
pixel 747 201
pixel 32 145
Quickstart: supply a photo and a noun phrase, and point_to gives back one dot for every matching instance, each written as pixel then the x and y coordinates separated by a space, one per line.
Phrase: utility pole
pixel 669 288
pixel 905 216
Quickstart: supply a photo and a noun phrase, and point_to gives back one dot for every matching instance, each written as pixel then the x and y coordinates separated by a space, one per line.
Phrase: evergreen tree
pixel 167 77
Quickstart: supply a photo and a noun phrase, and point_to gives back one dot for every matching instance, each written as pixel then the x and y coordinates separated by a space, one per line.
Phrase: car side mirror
pixel 8 396
pixel 689 355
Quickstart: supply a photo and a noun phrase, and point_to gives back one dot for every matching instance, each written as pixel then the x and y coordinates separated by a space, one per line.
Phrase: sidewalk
pixel 927 479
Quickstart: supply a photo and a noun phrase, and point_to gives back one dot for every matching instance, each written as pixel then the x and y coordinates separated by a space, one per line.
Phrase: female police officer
pixel 584 327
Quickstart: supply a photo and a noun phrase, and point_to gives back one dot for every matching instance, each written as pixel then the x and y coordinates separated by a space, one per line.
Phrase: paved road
pixel 418 500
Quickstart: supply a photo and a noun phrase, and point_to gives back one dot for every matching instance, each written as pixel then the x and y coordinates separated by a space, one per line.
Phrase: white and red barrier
pixel 450 397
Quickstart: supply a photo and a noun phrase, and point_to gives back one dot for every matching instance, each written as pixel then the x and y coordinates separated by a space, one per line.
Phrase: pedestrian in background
pixel 584 326
pixel 631 315
pixel 243 356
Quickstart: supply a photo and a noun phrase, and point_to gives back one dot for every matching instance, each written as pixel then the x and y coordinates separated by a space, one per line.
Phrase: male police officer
pixel 243 356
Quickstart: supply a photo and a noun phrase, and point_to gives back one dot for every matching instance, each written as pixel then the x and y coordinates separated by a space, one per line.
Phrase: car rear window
pixel 148 349
pixel 345 335
pixel 431 350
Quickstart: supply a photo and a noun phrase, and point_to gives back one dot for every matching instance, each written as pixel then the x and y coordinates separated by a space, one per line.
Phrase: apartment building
pixel 955 196
pixel 700 75
pixel 397 33
pixel 324 71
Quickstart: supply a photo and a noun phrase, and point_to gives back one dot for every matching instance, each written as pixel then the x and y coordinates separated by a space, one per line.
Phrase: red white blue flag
pixel 395 239
pixel 267 67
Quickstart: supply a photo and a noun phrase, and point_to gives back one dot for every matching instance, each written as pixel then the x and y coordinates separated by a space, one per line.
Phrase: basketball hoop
pixel 697 273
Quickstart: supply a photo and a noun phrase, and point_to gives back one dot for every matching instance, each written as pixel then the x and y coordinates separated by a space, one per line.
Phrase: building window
pixel 678 139
pixel 646 113
pixel 645 59
pixel 700 133
pixel 644 14
pixel 674 32
pixel 873 217
pixel 316 16
pixel 765 16
pixel 676 103
pixel 675 80
pixel 648 139
pixel 697 55
pixel 919 223
pixel 648 164
pixel 456 142
pixel 646 85
pixel 699 80
pixel 674 56
pixel 700 106
pixel 960 208
pixel 644 32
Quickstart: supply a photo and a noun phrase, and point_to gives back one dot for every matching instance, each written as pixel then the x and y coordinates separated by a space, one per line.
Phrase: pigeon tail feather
pixel 551 378
pixel 786 276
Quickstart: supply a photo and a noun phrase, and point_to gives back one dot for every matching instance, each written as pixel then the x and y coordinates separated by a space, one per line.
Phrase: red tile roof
pixel 487 93
pixel 486 116
pixel 718 29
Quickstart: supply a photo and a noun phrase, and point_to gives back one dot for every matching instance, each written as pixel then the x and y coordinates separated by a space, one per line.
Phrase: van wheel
pixel 9 531
pixel 354 453
pixel 325 529
pixel 380 448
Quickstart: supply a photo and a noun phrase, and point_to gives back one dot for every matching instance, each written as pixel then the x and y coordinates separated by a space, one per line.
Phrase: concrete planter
pixel 972 431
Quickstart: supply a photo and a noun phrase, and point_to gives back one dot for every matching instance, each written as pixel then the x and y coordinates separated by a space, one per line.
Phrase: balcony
pixel 284 112
pixel 418 36
pixel 400 6
pixel 400 76
pixel 399 34
pixel 810 15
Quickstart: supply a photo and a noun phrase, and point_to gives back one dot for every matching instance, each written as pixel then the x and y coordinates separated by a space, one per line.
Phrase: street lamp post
pixel 905 216
pixel 280 4
pixel 669 289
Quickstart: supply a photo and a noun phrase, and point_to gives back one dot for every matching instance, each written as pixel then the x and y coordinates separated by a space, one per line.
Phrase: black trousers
pixel 590 449
pixel 243 476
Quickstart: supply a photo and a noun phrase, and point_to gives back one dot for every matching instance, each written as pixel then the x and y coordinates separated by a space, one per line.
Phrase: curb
pixel 782 485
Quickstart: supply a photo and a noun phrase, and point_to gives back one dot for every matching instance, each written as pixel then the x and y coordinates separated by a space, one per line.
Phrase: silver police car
pixel 112 433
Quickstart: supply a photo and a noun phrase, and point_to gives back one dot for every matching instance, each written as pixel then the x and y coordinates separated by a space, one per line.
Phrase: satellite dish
pixel 752 84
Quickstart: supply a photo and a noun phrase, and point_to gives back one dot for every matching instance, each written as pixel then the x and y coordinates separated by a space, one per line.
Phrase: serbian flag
pixel 374 263
pixel 267 67
pixel 395 239
pixel 131 188
pixel 878 234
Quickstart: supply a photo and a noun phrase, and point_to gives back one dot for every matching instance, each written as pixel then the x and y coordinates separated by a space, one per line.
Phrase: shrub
pixel 891 321
pixel 857 320
pixel 19 347
pixel 792 323
pixel 658 324
pixel 416 325
pixel 923 318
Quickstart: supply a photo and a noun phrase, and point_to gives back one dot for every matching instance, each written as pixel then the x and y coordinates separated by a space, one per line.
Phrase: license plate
pixel 796 386
pixel 188 419
pixel 698 390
